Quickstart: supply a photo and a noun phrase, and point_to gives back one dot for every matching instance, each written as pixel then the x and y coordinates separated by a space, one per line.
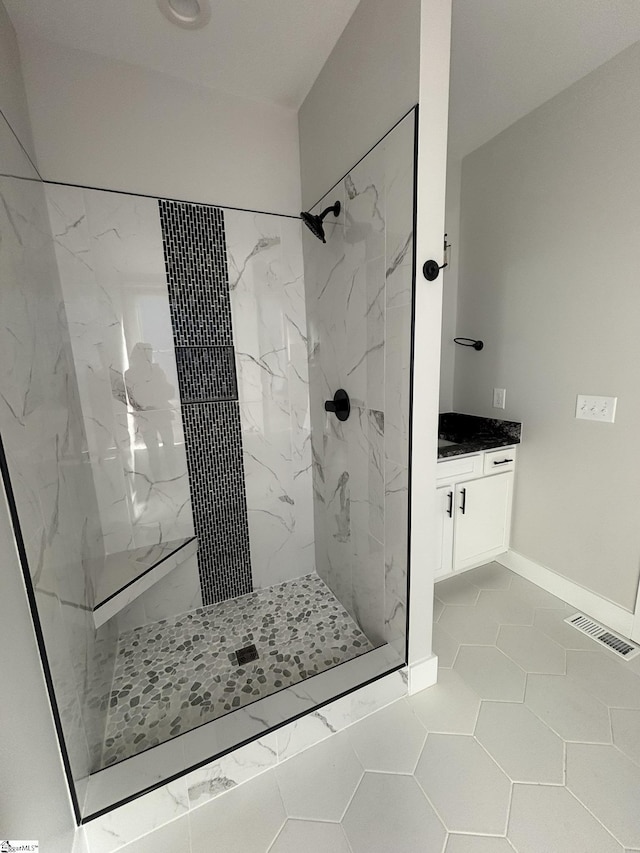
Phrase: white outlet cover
pixel 590 408
pixel 499 398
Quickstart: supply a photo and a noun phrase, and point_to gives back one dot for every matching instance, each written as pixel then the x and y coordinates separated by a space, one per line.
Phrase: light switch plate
pixel 499 398
pixel 589 408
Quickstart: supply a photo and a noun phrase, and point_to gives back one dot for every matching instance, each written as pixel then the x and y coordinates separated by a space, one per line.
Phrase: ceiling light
pixel 190 14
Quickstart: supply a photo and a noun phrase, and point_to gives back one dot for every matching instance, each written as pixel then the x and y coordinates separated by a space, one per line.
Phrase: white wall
pixel 368 83
pixel 450 284
pixel 435 45
pixel 13 101
pixel 549 279
pixel 113 125
pixel 34 800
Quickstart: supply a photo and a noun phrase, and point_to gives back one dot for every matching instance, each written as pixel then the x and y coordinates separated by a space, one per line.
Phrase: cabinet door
pixel 483 518
pixel 445 503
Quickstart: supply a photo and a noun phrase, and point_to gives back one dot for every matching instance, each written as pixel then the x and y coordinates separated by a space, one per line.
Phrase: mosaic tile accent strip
pixel 206 374
pixel 177 674
pixel 196 262
pixel 213 442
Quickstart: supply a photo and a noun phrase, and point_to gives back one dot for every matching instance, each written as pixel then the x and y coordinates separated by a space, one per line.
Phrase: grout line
pixel 594 816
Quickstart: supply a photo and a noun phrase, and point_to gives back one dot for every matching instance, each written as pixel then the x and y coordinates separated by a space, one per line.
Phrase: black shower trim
pixel 411 369
pixel 37 627
pixel 391 129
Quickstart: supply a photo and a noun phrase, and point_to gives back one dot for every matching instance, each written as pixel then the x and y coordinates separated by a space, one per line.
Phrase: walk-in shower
pixel 212 548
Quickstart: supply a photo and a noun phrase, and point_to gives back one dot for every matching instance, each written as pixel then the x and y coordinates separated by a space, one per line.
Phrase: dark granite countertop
pixel 459 434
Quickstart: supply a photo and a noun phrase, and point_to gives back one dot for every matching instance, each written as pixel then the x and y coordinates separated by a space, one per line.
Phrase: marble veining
pixel 359 289
pixel 110 258
pixel 45 443
pixel 264 256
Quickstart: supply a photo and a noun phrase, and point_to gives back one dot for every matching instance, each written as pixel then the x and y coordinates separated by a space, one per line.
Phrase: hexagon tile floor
pixel 530 742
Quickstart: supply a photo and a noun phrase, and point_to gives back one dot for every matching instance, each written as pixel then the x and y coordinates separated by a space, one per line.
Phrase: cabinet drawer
pixel 499 460
pixel 459 466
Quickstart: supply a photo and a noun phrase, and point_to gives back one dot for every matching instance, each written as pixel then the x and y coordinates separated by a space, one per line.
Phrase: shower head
pixel 314 221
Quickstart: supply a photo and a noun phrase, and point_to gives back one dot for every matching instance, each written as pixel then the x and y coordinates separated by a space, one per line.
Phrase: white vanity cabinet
pixel 474 498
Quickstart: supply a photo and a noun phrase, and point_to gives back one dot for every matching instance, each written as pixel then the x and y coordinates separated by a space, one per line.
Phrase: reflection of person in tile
pixel 150 394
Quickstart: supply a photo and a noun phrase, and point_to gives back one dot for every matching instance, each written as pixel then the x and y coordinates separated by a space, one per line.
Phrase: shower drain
pixel 246 655
pixel 623 648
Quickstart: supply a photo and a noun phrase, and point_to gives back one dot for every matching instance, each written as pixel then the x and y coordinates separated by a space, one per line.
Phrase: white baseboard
pixel 610 614
pixel 423 674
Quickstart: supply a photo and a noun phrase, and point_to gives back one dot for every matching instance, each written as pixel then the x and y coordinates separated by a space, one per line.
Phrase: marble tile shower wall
pixel 266 281
pixel 43 436
pixel 359 301
pixel 109 254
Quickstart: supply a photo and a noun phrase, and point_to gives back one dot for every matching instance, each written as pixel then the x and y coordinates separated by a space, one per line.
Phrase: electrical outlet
pixel 590 408
pixel 499 398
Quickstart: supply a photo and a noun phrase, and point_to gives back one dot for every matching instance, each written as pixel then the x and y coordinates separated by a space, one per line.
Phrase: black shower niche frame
pixel 22 554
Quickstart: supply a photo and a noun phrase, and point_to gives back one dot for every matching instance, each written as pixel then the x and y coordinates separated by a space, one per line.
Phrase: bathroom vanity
pixel 475 474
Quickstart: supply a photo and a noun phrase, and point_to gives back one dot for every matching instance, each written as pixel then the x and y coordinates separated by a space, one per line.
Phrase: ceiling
pixel 268 50
pixel 510 56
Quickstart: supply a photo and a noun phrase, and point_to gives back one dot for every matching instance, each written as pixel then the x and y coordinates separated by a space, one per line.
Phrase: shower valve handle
pixel 340 405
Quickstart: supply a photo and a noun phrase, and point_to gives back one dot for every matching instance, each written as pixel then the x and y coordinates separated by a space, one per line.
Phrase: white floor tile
pixel 625 725
pixel 505 607
pixel 606 678
pixel 389 741
pixel 467 788
pixel 490 673
pixel 391 813
pixel 531 649
pixel 491 576
pixel 608 784
pixel 448 706
pixel 310 837
pixel 526 749
pixel 438 607
pixel 553 624
pixel 566 707
pixel 444 646
pixel 244 820
pixel 466 625
pixel 477 844
pixel 535 595
pixel 548 819
pixel 457 590
pixel 319 783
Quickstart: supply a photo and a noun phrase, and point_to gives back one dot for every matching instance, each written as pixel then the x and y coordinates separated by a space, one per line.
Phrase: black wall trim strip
pixel 164 198
pixel 37 627
pixel 366 154
pixel 412 366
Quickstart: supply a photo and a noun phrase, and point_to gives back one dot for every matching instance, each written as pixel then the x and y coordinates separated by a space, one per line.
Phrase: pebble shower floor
pixel 176 674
